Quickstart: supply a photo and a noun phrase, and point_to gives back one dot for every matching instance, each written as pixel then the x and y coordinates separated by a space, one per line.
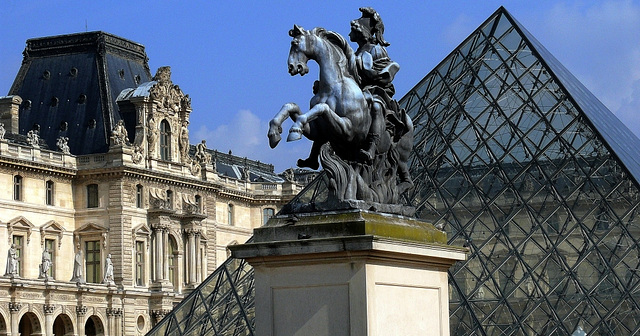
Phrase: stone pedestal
pixel 350 273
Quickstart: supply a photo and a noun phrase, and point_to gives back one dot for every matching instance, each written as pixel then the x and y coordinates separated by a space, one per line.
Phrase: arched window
pixel 266 214
pixel 199 204
pixel 49 192
pixel 165 140
pixel 139 194
pixel 169 199
pixel 230 214
pixel 17 188
pixel 172 255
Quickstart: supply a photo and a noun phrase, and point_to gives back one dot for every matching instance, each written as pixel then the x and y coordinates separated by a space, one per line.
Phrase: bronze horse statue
pixel 340 114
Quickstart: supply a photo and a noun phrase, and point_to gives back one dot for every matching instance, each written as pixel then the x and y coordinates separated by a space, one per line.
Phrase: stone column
pixel 48 319
pixel 80 312
pixel 14 309
pixel 117 322
pixel 158 254
pixel 191 256
pixel 164 254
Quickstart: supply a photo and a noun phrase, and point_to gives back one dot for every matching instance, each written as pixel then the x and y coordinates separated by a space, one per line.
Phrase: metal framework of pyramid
pixel 527 169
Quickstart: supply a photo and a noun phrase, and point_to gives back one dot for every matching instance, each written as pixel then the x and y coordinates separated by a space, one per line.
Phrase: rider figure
pixel 374 71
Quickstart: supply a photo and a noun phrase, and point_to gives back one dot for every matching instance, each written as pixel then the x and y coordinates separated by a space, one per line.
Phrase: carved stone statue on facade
pixel 359 133
pixel 33 138
pixel 119 135
pixel 201 154
pixel 290 175
pixel 3 131
pixel 12 262
pixel 78 261
pixel 184 142
pixel 168 95
pixel 108 272
pixel 46 264
pixel 152 134
pixel 245 174
pixel 63 145
pixel 138 154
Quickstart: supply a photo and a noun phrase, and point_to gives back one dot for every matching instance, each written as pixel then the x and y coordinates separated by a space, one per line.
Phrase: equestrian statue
pixel 360 135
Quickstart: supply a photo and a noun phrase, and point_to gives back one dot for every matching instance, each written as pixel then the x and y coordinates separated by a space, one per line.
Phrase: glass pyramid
pixel 533 174
pixel 223 304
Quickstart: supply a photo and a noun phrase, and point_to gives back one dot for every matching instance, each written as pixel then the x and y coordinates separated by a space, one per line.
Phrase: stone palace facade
pixel 108 215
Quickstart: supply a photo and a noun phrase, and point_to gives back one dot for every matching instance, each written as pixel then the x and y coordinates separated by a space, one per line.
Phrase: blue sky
pixel 230 56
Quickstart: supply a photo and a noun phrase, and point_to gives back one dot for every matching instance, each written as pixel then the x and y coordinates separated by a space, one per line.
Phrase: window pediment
pixel 92 229
pixel 22 225
pixel 51 228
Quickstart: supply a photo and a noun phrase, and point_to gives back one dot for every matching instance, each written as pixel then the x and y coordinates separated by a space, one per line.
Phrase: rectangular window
pixel 139 263
pixel 92 196
pixel 92 253
pixel 50 244
pixel 49 192
pixel 266 214
pixel 18 241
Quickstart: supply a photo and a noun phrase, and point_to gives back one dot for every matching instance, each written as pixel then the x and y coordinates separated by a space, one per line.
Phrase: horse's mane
pixel 337 41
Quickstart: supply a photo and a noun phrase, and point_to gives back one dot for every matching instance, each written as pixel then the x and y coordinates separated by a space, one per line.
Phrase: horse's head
pixel 298 53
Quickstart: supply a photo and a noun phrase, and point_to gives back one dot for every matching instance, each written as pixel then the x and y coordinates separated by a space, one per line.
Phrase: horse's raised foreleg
pixel 275 125
pixel 339 124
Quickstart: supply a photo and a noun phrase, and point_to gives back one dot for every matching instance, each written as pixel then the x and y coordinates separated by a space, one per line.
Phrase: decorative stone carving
pixel 183 142
pixel 192 232
pixel 2 131
pixel 119 135
pixel 12 262
pixel 152 134
pixel 138 154
pixel 63 145
pixel 201 155
pixel 189 204
pixel 108 272
pixel 159 314
pixel 168 95
pixel 33 138
pixel 158 198
pixel 45 265
pixel 289 175
pixel 195 168
pixel 78 262
pixel 14 307
pixel 81 310
pixel 116 312
pixel 48 308
pixel 359 133
pixel 245 175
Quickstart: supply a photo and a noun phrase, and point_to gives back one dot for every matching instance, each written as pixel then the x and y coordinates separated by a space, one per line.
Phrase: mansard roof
pixel 69 85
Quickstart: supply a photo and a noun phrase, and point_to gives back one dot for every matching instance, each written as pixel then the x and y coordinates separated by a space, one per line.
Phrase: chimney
pixel 9 111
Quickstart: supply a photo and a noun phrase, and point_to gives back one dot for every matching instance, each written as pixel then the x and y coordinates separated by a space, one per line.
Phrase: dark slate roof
pixel 617 136
pixel 69 85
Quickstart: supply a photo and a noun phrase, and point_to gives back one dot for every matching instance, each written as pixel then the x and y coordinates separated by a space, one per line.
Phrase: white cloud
pixel 246 135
